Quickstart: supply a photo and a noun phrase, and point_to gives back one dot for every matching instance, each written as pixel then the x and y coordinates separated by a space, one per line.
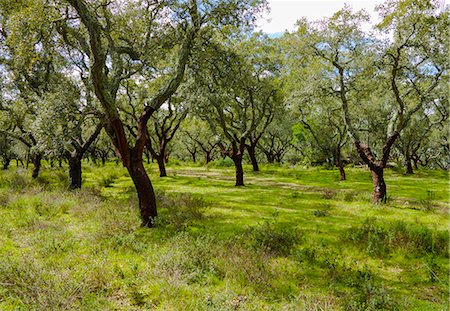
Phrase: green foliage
pixel 429 202
pixel 221 248
pixel 381 240
pixel 273 237
pixel 224 162
pixel 370 294
pixel 181 210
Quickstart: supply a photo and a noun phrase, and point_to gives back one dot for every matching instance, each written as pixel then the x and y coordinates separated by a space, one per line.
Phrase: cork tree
pixel 380 85
pixel 145 41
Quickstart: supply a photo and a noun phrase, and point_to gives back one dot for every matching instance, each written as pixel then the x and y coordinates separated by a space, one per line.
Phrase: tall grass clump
pixel 273 237
pixel 180 210
pixel 381 240
pixel 225 162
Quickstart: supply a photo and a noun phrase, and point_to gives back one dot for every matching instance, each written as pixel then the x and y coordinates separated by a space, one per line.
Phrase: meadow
pixel 291 239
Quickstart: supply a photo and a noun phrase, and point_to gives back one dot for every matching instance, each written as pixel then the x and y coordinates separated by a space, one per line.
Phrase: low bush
pixel 275 238
pixel 180 210
pixel 225 162
pixel 378 240
pixel 329 194
pixel 368 294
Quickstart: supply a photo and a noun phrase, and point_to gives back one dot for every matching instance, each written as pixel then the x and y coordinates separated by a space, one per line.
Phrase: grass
pixel 291 239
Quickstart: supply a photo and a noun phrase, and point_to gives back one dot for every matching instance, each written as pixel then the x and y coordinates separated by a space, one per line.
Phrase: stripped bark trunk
pixel 145 191
pixel 74 172
pixel 37 165
pixel 239 171
pixel 379 186
pixel 252 154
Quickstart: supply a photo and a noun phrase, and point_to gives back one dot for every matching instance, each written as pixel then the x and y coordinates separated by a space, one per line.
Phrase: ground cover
pixel 291 239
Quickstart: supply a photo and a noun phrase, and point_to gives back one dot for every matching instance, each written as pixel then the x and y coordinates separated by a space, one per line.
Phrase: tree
pixel 198 133
pixel 166 123
pixel 127 39
pixel 276 140
pixel 359 73
pixel 29 62
pixel 238 97
pixel 314 102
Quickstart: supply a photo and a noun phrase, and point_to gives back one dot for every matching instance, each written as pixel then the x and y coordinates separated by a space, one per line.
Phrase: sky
pixel 284 13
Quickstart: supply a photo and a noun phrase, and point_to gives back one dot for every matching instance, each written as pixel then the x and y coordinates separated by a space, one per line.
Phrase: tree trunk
pixel 340 166
pixel 416 162
pixel 379 186
pixel 342 176
pixel 74 172
pixel 239 170
pixel 207 157
pixel 60 162
pixel 6 163
pixel 144 188
pixel 162 166
pixel 194 159
pixel 252 155
pixel 409 168
pixel 103 160
pixel 37 165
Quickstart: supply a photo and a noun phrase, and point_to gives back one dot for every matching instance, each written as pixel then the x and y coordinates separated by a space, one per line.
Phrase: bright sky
pixel 284 13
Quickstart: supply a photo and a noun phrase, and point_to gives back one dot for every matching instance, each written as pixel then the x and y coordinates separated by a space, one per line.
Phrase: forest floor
pixel 291 239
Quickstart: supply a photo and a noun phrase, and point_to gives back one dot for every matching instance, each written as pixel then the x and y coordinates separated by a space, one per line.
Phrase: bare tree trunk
pixel 37 165
pixel 239 170
pixel 252 154
pixel 409 168
pixel 339 165
pixel 342 176
pixel 74 172
pixel 144 188
pixel 161 165
pixel 6 164
pixel 207 157
pixel 379 186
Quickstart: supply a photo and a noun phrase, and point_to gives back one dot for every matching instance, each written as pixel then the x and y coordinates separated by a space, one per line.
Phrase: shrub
pixel 188 259
pixel 274 238
pixel 379 240
pixel 350 196
pixel 182 209
pixel 329 194
pixel 368 294
pixel 428 203
pixel 225 162
pixel 108 179
pixel 19 182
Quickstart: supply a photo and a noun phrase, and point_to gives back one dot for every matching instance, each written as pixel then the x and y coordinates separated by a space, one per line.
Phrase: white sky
pixel 284 13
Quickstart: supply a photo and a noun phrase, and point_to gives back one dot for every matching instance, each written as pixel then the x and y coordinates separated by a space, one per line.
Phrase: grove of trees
pixel 191 79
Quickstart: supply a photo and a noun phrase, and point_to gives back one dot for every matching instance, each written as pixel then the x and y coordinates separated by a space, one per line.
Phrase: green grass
pixel 291 239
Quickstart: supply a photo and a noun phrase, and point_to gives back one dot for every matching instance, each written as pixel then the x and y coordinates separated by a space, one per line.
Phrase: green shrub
pixel 428 203
pixel 188 259
pixel 225 162
pixel 378 240
pixel 108 179
pixel 181 209
pixel 275 238
pixel 19 181
pixel 350 196
pixel 329 194
pixel 368 294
